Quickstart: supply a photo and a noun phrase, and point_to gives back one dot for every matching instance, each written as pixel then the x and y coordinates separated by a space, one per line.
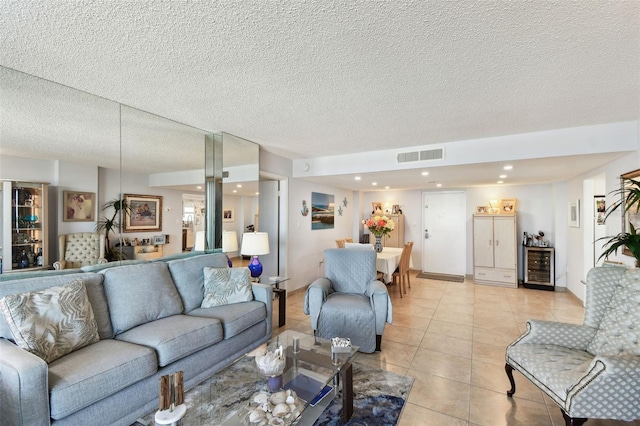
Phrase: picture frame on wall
pixel 377 207
pixel 600 208
pixel 574 214
pixel 632 217
pixel 78 206
pixel 145 213
pixel 227 215
pixel 322 211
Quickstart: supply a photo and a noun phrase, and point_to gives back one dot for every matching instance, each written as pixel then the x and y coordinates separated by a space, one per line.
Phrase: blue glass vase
pixel 378 244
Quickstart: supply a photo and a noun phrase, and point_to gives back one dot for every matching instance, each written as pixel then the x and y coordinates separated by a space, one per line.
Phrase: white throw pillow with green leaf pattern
pixel 224 286
pixel 52 322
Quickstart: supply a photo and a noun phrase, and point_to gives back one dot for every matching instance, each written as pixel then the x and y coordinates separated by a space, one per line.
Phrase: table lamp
pixel 229 244
pixel 255 244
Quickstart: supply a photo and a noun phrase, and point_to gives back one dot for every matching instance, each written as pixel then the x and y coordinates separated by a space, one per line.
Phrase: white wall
pixel 305 246
pixel 575 236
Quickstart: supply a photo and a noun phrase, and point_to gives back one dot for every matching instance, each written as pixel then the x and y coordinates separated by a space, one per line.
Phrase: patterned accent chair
pixel 349 301
pixel 590 370
pixel 80 249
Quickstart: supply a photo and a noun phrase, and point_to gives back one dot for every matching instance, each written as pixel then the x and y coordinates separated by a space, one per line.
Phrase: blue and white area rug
pixel 378 398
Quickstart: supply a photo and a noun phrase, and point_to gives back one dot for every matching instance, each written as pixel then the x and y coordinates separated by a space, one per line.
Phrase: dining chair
pixel 340 243
pixel 348 240
pixel 402 272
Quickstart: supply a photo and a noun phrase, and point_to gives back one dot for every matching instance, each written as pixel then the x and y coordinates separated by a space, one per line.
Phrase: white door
pixel 444 233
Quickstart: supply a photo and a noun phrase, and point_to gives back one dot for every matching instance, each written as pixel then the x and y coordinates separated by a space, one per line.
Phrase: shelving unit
pixel 495 250
pixel 24 226
pixel 539 268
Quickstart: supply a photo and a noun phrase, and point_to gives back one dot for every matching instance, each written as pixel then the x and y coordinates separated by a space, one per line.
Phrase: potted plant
pixel 112 224
pixel 629 193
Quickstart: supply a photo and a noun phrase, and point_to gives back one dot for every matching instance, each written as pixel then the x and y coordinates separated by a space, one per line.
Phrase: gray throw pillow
pixel 224 286
pixel 52 322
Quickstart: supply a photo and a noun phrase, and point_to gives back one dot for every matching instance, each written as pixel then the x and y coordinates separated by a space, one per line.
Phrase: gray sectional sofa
pixel 150 324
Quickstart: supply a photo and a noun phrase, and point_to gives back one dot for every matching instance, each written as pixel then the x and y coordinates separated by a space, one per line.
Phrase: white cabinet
pixel 495 250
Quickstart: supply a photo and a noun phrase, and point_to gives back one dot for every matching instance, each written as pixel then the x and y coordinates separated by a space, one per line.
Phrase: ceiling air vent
pixel 225 174
pixel 426 155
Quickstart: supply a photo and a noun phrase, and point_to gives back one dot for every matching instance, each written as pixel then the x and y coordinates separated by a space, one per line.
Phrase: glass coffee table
pixel 314 372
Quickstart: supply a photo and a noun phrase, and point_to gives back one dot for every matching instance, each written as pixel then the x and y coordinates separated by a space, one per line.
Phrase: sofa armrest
pixel 24 389
pixel 314 298
pixel 572 336
pixel 381 303
pixel 264 293
pixel 608 386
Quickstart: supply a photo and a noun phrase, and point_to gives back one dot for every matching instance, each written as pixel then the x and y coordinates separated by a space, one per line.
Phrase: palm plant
pixel 112 224
pixel 629 194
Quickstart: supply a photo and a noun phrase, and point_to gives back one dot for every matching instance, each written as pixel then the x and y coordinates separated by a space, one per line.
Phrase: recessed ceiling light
pixel 387 187
pixel 500 181
pixel 234 191
pixel 438 185
pixel 238 186
pixel 502 176
pixel 508 167
pixel 358 178
pixel 425 173
pixel 257 193
pixel 199 187
pixel 374 183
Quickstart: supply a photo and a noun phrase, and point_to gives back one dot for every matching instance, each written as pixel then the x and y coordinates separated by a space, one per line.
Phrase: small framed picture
pixel 482 209
pixel 600 206
pixel 574 214
pixel 377 206
pixel 145 213
pixel 78 206
pixel 507 205
pixel 227 215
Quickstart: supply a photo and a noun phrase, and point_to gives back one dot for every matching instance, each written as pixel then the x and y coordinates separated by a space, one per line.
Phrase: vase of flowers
pixel 379 226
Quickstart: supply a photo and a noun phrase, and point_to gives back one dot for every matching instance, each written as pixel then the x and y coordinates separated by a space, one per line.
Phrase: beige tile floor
pixel 451 337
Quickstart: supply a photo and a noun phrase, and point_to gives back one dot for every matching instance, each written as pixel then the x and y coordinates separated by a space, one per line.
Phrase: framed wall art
pixel 600 208
pixel 632 216
pixel 145 213
pixel 227 215
pixel 574 214
pixel 322 211
pixel 78 206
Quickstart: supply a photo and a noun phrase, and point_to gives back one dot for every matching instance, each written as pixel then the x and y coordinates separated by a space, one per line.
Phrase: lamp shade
pixel 229 241
pixel 255 243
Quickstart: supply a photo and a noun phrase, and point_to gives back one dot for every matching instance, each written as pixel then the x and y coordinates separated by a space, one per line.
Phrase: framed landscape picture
pixel 145 213
pixel 78 206
pixel 227 215
pixel 322 211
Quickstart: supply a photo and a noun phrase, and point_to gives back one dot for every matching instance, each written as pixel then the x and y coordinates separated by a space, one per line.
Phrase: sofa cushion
pixel 78 380
pixel 138 294
pixel 619 331
pixel 189 279
pixel 224 286
pixel 53 322
pixel 235 318
pixel 176 336
pixel 556 368
pixel 92 283
pixel 102 266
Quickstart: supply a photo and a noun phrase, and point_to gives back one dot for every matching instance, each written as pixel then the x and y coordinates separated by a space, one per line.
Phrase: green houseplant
pixel 112 223
pixel 629 239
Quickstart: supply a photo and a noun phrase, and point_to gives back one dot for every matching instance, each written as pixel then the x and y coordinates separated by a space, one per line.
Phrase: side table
pixel 281 294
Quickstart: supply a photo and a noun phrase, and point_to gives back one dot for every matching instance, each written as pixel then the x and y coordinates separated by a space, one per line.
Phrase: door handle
pixel 426 234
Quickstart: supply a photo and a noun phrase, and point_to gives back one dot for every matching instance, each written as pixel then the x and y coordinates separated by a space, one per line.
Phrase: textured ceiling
pixel 309 79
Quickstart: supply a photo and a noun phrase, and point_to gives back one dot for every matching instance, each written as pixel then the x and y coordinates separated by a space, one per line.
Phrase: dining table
pixel 388 260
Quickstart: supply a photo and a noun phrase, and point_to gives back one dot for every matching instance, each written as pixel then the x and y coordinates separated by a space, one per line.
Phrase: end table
pixel 281 294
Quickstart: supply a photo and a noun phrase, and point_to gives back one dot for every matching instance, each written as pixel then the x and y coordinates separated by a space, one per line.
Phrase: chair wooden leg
pixel 509 370
pixel 572 421
pixel 408 280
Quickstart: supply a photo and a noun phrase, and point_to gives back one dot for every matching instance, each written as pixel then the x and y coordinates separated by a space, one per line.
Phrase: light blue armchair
pixel 349 302
pixel 590 370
